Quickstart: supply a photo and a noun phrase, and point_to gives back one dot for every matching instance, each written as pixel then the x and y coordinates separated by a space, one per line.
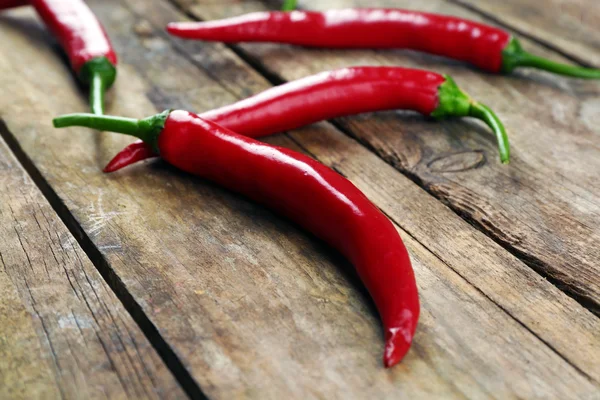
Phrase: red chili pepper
pixel 484 46
pixel 309 193
pixel 337 93
pixel 4 4
pixel 83 39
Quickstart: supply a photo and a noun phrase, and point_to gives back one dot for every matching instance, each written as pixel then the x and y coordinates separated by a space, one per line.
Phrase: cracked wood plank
pixel 253 306
pixel 544 207
pixel 569 26
pixel 63 332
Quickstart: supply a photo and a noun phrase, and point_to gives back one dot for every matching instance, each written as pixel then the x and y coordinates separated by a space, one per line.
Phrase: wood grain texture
pixel 25 371
pixel 63 333
pixel 253 306
pixel 543 207
pixel 569 26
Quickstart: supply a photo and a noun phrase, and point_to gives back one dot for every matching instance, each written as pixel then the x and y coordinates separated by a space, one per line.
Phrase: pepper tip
pixel 394 353
pixel 172 28
pixel 397 344
pixel 108 169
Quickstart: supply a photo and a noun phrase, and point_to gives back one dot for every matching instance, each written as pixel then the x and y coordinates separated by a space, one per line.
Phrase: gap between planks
pixel 275 79
pixel 165 352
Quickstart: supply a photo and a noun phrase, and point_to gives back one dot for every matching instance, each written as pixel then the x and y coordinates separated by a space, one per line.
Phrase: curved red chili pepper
pixel 337 93
pixel 84 41
pixel 331 94
pixel 4 4
pixel 309 193
pixel 135 152
pixel 484 46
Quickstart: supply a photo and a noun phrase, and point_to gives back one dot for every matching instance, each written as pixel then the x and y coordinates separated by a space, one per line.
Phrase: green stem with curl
pixel 288 5
pixel 513 56
pixel 484 113
pixel 453 102
pixel 147 129
pixel 99 73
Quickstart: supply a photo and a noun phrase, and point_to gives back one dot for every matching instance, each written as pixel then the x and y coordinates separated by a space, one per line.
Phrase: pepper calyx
pixel 98 66
pixel 288 5
pixel 512 56
pixel 453 102
pixel 151 127
pixel 99 74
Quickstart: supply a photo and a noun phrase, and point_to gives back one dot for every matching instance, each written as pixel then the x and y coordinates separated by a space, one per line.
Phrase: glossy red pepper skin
pixel 133 153
pixel 304 190
pixel 85 42
pixel 323 96
pixel 4 4
pixel 314 196
pixel 457 38
pixel 329 95
pixel 484 46
pixel 77 29
pixel 83 39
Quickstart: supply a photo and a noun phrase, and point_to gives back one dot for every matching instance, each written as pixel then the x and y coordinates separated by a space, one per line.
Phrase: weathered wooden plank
pixel 251 305
pixel 570 26
pixel 63 333
pixel 544 206
pixel 24 371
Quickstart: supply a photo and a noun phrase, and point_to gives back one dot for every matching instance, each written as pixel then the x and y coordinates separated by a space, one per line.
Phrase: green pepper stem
pixel 128 126
pixel 530 60
pixel 146 129
pixel 513 56
pixel 99 73
pixel 485 114
pixel 288 5
pixel 97 88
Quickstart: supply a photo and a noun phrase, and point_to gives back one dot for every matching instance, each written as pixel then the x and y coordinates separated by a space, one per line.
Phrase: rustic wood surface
pixel 63 332
pixel 241 303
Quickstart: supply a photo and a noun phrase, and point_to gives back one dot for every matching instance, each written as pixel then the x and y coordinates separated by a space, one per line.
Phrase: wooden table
pixel 150 283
